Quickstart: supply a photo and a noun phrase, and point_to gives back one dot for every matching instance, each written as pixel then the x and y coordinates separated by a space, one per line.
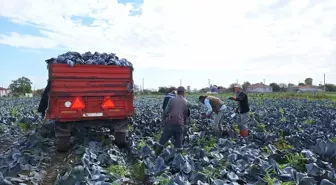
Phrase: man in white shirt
pixel 217 106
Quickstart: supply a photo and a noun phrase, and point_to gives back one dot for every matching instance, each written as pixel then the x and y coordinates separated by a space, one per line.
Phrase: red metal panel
pixel 91 83
pixel 89 71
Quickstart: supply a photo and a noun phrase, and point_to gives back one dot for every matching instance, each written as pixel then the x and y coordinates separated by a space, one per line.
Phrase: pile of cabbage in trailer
pixel 72 58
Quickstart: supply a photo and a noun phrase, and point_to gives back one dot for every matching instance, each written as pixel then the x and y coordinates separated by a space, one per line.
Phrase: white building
pixel 28 95
pixel 259 88
pixel 4 91
pixel 304 88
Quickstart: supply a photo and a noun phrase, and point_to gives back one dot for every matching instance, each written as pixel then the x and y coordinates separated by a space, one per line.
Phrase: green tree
pixel 291 85
pixel 275 87
pixel 283 87
pixel 309 81
pixel 21 85
pixel 232 86
pixel 163 90
pixel 204 90
pixel 301 84
pixel 166 90
pixel 188 89
pixel 246 84
pixel 330 87
pixel 136 88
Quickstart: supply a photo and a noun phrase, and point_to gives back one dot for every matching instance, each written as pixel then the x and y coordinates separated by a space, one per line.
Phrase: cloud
pixel 27 41
pixel 256 35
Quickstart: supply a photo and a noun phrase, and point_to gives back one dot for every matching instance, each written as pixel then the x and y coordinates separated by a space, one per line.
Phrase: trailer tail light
pixel 130 87
pixel 77 104
pixel 108 104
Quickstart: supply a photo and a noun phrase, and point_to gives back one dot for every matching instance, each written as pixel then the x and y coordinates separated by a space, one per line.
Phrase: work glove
pixel 232 98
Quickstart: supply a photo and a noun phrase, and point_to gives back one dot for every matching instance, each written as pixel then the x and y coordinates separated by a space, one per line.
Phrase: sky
pixel 171 40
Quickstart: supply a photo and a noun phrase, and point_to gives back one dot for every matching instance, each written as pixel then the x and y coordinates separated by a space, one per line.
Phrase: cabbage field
pixel 291 141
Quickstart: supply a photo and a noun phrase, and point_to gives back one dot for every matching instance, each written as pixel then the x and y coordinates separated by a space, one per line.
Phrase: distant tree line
pixel 23 85
pixel 277 87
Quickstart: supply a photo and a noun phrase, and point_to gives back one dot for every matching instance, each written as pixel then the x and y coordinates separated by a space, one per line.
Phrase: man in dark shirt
pixel 44 102
pixel 175 121
pixel 243 109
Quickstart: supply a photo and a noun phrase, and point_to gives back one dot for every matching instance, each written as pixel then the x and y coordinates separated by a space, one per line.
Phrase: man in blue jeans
pixel 177 114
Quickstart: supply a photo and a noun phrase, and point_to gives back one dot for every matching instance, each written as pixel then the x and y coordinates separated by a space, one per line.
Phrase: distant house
pixel 259 88
pixel 304 88
pixel 28 95
pixel 4 91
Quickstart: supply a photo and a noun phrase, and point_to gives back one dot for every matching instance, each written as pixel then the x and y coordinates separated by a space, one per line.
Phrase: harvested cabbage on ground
pixel 291 141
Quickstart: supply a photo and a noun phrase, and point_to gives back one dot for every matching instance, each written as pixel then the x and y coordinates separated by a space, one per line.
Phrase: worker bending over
pixel 214 105
pixel 176 119
pixel 243 110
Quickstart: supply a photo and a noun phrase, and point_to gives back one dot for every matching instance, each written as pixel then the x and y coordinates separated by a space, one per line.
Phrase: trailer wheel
pixel 63 143
pixel 120 139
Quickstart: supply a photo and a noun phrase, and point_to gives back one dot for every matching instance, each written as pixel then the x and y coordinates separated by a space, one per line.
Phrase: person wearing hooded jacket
pixel 243 110
pixel 165 102
pixel 167 98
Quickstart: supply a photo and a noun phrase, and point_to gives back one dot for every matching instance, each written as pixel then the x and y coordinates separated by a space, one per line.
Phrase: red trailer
pixel 90 96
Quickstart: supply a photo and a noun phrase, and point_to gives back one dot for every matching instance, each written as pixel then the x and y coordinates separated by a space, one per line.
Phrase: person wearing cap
pixel 216 106
pixel 243 109
pixel 176 120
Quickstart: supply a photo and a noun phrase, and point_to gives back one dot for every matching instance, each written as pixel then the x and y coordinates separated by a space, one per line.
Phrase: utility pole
pixel 324 83
pixel 264 86
pixel 237 81
pixel 180 82
pixel 209 83
pixel 143 84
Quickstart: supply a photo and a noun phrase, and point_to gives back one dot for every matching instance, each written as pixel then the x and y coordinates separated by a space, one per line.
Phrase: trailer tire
pixel 120 139
pixel 63 143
